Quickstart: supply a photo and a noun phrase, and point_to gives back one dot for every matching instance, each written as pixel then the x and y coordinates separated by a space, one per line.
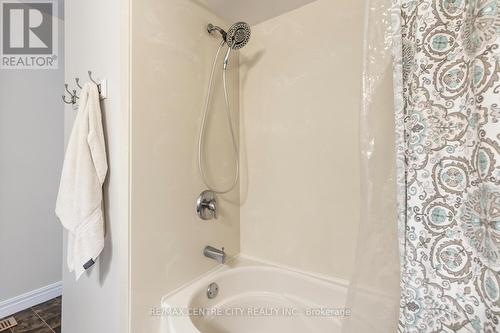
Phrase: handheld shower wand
pixel 236 37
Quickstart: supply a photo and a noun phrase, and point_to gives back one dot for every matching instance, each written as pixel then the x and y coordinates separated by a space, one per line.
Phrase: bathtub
pixel 256 297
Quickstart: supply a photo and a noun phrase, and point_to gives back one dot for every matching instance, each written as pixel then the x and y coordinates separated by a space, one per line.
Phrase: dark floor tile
pixel 29 322
pixel 50 312
pixel 57 329
pixel 49 308
pixel 54 322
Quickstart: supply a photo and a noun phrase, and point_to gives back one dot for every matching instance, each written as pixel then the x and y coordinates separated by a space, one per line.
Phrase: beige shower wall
pixel 300 93
pixel 171 59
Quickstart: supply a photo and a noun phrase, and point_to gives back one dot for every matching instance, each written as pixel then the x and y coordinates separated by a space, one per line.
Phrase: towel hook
pixel 96 83
pixel 77 79
pixel 65 101
pixel 73 96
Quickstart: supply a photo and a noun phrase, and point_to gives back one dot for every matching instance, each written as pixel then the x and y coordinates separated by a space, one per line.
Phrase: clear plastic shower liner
pixel 373 295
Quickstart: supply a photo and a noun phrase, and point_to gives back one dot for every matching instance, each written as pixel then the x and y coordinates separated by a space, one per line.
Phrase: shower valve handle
pixel 206 205
pixel 211 206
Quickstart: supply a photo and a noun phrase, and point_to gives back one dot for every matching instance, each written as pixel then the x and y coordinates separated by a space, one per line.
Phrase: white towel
pixel 79 202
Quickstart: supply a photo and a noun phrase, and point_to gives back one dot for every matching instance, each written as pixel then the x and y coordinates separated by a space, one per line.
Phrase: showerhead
pixel 238 35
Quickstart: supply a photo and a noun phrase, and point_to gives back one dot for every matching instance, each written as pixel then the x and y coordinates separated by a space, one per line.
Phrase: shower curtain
pixel 448 132
pixel 374 292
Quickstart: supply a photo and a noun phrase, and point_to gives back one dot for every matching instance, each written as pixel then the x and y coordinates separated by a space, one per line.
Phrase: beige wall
pixel 97 40
pixel 300 93
pixel 171 56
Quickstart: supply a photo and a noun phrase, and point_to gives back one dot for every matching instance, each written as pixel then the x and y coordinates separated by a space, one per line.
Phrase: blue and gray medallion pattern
pixel 449 147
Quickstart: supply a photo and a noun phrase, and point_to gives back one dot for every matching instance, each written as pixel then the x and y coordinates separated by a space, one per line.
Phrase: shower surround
pixel 298 130
pixel 170 70
pixel 300 101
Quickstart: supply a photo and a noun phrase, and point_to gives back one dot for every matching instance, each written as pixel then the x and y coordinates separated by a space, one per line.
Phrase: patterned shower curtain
pixel 448 124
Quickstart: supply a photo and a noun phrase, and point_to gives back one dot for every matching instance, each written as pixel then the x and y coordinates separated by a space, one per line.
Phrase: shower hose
pixel 201 138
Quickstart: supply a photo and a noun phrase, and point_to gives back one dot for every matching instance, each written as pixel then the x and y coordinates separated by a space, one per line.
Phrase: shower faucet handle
pixel 206 205
pixel 212 206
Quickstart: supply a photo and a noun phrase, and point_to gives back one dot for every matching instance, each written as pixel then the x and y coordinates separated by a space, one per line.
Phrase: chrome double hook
pixel 73 97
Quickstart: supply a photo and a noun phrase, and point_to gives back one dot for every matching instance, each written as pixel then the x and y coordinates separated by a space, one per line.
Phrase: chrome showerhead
pixel 238 35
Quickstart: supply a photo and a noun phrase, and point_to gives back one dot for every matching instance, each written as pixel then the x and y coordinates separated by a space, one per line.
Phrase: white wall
pixel 97 40
pixel 300 93
pixel 171 59
pixel 31 153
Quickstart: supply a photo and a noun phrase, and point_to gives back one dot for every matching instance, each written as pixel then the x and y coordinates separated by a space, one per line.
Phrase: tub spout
pixel 216 254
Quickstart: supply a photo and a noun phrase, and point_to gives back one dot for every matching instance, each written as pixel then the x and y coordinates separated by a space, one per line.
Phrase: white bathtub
pixel 254 297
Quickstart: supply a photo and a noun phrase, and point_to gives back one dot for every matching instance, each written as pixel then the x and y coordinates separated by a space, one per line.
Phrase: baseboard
pixel 30 299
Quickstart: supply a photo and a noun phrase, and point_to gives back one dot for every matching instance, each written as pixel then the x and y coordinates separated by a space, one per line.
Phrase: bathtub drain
pixel 212 290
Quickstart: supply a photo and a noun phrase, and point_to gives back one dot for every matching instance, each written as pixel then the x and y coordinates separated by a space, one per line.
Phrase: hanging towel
pixel 79 202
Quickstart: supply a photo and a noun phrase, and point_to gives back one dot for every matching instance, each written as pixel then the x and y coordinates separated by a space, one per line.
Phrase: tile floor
pixel 41 318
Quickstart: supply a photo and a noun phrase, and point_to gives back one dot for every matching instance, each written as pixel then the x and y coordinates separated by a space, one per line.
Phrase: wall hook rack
pixel 73 97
